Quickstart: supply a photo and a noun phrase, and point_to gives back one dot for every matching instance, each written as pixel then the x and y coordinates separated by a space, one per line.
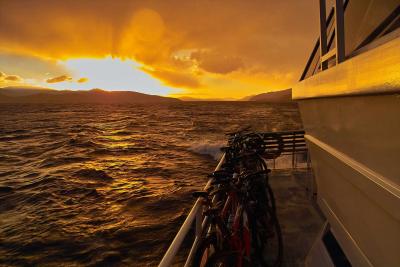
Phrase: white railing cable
pixel 195 213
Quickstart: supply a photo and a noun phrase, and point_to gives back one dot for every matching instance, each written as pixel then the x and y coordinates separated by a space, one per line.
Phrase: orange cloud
pixel 216 62
pixel 82 80
pixel 228 39
pixel 58 79
pixel 13 78
pixel 9 78
pixel 175 79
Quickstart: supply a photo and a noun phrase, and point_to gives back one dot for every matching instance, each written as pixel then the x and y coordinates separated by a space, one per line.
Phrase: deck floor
pixel 300 221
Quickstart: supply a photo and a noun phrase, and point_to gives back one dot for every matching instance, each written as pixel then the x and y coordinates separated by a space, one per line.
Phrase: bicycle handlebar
pixel 242 142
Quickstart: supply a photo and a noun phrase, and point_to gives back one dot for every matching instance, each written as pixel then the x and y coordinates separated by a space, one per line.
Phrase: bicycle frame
pixel 233 227
pixel 240 238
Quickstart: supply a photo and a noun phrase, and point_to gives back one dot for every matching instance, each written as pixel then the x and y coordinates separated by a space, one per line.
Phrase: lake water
pixel 109 185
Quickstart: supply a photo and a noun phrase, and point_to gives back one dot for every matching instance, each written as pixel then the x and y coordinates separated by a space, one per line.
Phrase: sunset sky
pixel 201 49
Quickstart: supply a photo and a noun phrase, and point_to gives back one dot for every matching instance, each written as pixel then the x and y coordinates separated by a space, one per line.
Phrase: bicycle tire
pixel 205 244
pixel 226 259
pixel 269 248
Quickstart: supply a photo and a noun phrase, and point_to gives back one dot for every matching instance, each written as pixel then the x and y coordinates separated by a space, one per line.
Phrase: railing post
pixel 195 214
pixel 323 42
pixel 199 228
pixel 199 220
pixel 293 149
pixel 339 31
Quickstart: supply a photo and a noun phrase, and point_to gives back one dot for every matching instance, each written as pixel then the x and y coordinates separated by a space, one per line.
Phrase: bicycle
pixel 244 218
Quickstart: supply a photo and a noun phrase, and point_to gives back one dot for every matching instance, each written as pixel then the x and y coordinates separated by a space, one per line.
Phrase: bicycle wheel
pixel 206 248
pixel 267 240
pixel 221 259
pixel 227 259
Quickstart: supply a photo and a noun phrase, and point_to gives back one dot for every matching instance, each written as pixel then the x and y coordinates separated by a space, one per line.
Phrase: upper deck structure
pixel 349 100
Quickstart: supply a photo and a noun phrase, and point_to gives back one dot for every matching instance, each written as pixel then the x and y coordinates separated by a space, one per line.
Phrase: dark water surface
pixel 109 185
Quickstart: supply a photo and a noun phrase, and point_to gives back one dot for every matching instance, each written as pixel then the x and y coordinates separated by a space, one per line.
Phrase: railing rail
pixel 195 214
pixel 293 144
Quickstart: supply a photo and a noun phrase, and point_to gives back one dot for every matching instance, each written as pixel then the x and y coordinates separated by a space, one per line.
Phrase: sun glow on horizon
pixel 109 73
pixel 156 48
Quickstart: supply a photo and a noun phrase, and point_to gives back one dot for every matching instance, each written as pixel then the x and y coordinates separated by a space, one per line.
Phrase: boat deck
pixel 299 218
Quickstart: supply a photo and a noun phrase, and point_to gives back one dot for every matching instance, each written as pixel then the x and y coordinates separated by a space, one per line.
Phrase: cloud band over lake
pixel 192 48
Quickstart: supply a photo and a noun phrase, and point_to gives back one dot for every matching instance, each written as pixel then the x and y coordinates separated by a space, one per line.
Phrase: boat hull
pixel 354 145
pixel 351 116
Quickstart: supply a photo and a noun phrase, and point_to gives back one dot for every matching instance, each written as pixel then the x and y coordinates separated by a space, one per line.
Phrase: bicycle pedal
pixel 212 211
pixel 198 194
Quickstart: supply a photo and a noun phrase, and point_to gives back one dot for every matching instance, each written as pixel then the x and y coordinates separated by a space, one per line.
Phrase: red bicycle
pixel 242 228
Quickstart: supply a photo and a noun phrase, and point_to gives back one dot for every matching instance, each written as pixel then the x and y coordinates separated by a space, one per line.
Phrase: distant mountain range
pixel 273 97
pixel 23 91
pixel 45 95
pixel 187 98
pixel 282 96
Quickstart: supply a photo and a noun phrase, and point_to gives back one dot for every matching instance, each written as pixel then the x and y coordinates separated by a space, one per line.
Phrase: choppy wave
pixel 109 185
pixel 212 149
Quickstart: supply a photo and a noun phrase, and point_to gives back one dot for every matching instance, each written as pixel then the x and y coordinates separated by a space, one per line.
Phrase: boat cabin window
pixel 364 21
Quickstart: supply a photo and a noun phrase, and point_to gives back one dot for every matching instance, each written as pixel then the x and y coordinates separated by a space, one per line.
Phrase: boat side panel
pixel 366 128
pixel 355 152
pixel 367 232
pixel 376 71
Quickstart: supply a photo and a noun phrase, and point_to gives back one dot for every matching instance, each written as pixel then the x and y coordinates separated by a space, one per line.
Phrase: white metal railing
pixel 196 215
